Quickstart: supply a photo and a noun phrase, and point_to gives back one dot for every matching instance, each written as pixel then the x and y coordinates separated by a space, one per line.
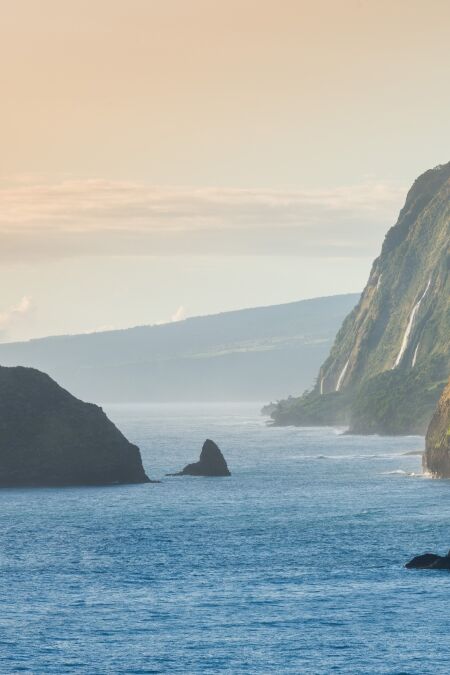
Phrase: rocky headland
pixel 436 458
pixel 391 357
pixel 50 438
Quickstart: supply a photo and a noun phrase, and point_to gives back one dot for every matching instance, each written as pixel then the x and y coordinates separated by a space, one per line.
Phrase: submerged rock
pixel 429 561
pixel 211 463
pixel 49 437
pixel 436 459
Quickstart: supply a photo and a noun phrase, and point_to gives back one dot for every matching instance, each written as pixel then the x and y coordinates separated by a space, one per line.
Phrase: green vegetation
pixel 395 402
pixel 391 357
pixel 436 459
pixel 312 409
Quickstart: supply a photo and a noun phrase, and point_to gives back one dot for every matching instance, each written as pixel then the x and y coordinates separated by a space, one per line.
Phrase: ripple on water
pixel 292 565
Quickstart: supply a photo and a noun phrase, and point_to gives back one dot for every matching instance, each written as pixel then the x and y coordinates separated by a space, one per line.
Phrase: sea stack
pixel 48 437
pixel 436 459
pixel 211 463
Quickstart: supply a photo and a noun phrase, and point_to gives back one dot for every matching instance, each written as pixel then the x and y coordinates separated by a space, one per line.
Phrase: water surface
pixel 292 565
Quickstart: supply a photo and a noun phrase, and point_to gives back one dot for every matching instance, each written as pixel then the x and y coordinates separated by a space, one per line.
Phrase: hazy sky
pixel 162 158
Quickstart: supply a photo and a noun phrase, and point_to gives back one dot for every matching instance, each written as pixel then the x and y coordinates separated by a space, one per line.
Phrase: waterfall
pixel 409 327
pixel 321 385
pixel 379 281
pixel 342 375
pixel 415 355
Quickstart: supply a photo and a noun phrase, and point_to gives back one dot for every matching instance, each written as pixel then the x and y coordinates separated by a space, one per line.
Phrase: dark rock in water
pixel 211 463
pixel 48 437
pixel 442 563
pixel 421 562
pixel 429 561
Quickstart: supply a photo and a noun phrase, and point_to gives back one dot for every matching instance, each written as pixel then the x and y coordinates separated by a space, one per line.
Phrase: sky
pixel 167 158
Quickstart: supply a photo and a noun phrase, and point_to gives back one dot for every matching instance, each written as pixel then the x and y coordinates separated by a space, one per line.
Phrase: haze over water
pixel 294 564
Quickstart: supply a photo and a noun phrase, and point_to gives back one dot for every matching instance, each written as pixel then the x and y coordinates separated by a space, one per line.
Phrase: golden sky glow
pixel 212 92
pixel 270 140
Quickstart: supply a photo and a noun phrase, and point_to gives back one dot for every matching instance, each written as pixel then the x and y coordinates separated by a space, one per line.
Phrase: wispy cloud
pixel 13 314
pixel 179 315
pixel 97 217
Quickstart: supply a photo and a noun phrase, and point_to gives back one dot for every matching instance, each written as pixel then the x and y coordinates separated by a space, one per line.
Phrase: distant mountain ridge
pixel 249 354
pixel 391 357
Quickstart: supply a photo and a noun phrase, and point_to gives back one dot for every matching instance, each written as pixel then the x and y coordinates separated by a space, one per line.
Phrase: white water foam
pixel 401 472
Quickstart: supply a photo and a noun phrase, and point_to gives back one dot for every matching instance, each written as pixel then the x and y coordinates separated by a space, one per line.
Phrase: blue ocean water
pixel 292 565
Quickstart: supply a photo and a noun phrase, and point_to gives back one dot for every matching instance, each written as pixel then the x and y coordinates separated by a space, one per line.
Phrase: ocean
pixel 294 564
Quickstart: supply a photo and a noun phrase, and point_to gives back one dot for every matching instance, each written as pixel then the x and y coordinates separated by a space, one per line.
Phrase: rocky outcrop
pixel 49 438
pixel 211 463
pixel 436 459
pixel 391 357
pixel 429 561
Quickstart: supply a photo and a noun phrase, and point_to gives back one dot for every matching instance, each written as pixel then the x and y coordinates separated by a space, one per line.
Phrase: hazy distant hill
pixel 250 354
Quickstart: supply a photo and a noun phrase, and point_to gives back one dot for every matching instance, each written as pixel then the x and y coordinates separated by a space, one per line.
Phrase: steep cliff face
pixel 391 356
pixel 48 437
pixel 436 458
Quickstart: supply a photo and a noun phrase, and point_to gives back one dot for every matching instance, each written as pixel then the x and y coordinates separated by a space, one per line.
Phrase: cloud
pixel 11 316
pixel 179 315
pixel 98 217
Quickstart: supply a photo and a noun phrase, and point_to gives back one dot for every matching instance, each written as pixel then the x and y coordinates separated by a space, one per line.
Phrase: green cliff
pixel 436 459
pixel 391 357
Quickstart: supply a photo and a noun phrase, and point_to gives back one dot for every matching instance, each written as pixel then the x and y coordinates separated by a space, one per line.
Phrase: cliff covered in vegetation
pixel 391 357
pixel 436 459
